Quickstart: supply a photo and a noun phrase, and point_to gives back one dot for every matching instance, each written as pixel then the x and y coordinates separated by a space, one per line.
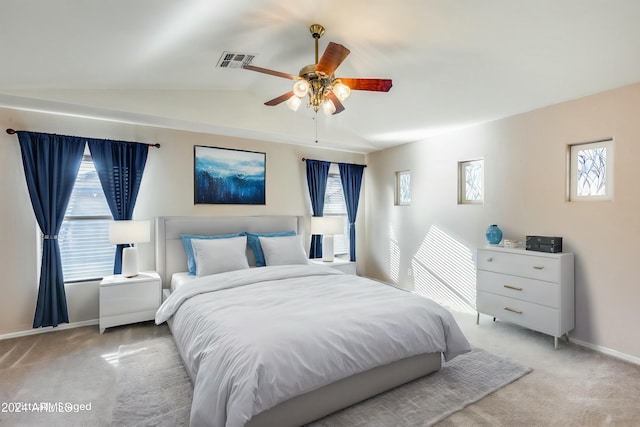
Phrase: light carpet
pixel 152 386
pixel 153 389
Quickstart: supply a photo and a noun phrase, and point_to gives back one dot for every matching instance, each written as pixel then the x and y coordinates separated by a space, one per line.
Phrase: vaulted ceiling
pixel 453 63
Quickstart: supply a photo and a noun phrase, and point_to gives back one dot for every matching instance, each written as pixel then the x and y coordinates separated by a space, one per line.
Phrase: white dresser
pixel 129 300
pixel 531 289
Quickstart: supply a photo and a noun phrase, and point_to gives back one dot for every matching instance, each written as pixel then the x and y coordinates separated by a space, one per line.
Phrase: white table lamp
pixel 129 232
pixel 328 226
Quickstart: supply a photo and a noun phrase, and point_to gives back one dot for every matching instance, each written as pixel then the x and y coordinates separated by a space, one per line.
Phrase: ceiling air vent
pixel 234 60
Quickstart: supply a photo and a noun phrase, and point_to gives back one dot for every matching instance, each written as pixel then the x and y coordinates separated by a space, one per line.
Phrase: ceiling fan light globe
pixel 301 88
pixel 328 107
pixel 341 91
pixel 294 103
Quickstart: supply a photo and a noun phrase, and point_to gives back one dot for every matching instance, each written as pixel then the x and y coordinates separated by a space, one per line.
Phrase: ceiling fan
pixel 319 82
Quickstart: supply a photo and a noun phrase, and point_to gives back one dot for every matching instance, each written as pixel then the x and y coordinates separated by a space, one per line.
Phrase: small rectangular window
pixel 470 182
pixel 334 205
pixel 591 171
pixel 84 235
pixel 403 188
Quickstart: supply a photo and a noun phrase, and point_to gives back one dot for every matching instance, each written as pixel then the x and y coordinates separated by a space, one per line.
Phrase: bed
pixel 284 345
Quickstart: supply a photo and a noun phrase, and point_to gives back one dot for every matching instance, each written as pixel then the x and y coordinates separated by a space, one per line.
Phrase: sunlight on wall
pixel 394 256
pixel 419 133
pixel 444 271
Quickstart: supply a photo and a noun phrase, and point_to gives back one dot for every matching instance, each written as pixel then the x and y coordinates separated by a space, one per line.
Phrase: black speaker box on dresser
pixel 543 244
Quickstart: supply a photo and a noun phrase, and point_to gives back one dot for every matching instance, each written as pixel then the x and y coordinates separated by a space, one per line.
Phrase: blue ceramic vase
pixel 493 234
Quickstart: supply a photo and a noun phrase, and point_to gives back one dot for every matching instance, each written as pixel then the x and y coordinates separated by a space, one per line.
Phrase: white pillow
pixel 283 250
pixel 220 255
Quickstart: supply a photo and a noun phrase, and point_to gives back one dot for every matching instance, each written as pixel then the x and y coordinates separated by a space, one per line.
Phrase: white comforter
pixel 251 339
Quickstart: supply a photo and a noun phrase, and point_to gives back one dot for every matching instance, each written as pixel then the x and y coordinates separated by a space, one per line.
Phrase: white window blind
pixel 84 236
pixel 334 205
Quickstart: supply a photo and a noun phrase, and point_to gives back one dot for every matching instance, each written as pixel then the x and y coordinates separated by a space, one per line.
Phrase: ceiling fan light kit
pixel 301 88
pixel 318 81
pixel 294 103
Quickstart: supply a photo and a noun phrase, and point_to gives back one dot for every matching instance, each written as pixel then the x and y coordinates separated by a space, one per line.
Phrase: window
pixel 334 205
pixel 591 171
pixel 403 188
pixel 84 236
pixel 470 182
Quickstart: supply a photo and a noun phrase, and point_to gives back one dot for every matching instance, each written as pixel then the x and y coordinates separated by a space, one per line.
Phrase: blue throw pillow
pixel 186 241
pixel 254 243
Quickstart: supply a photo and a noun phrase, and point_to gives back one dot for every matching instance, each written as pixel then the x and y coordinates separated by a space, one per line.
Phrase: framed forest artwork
pixel 228 176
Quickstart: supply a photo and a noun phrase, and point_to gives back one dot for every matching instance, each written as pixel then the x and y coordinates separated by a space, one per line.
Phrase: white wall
pixel 525 172
pixel 166 189
pixel 525 159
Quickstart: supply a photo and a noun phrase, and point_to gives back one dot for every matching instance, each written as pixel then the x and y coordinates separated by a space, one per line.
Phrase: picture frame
pixel 228 176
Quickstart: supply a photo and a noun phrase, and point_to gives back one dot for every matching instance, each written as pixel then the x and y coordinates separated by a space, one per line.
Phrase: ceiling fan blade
pixel 332 58
pixel 270 72
pixel 279 100
pixel 377 85
pixel 339 107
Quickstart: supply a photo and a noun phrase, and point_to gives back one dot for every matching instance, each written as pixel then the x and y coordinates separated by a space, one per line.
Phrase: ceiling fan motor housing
pixel 319 83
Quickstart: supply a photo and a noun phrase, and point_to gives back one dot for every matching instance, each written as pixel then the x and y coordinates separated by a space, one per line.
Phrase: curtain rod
pixel 304 160
pixel 12 131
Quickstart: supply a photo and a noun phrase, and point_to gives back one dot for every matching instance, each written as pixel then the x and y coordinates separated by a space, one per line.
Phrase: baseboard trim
pixel 607 351
pixel 49 329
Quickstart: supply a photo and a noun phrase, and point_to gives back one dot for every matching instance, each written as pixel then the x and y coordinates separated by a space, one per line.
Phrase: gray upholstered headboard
pixel 170 255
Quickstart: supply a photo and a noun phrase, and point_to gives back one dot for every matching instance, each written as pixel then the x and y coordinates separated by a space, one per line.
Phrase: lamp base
pixel 130 262
pixel 327 248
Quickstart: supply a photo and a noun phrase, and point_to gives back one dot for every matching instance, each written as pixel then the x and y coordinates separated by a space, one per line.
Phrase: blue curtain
pixel 351 178
pixel 120 166
pixel 51 164
pixel 317 175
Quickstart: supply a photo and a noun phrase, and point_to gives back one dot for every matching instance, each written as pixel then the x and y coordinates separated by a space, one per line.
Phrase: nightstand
pixel 343 265
pixel 129 300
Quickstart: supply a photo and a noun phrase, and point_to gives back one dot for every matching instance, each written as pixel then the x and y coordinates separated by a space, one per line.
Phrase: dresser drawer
pixel 523 265
pixel 129 298
pixel 522 288
pixel 534 316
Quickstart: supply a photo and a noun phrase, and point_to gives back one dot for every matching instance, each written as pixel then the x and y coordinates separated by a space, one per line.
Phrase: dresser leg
pixel 478 318
pixel 555 343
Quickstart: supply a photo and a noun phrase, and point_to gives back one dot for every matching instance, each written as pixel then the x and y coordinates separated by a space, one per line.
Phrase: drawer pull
pixel 489 259
pixel 513 310
pixel 538 267
pixel 515 288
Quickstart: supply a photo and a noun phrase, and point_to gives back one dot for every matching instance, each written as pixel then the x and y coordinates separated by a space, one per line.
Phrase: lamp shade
pixel 341 90
pixel 301 88
pixel 129 231
pixel 328 107
pixel 327 225
pixel 294 102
